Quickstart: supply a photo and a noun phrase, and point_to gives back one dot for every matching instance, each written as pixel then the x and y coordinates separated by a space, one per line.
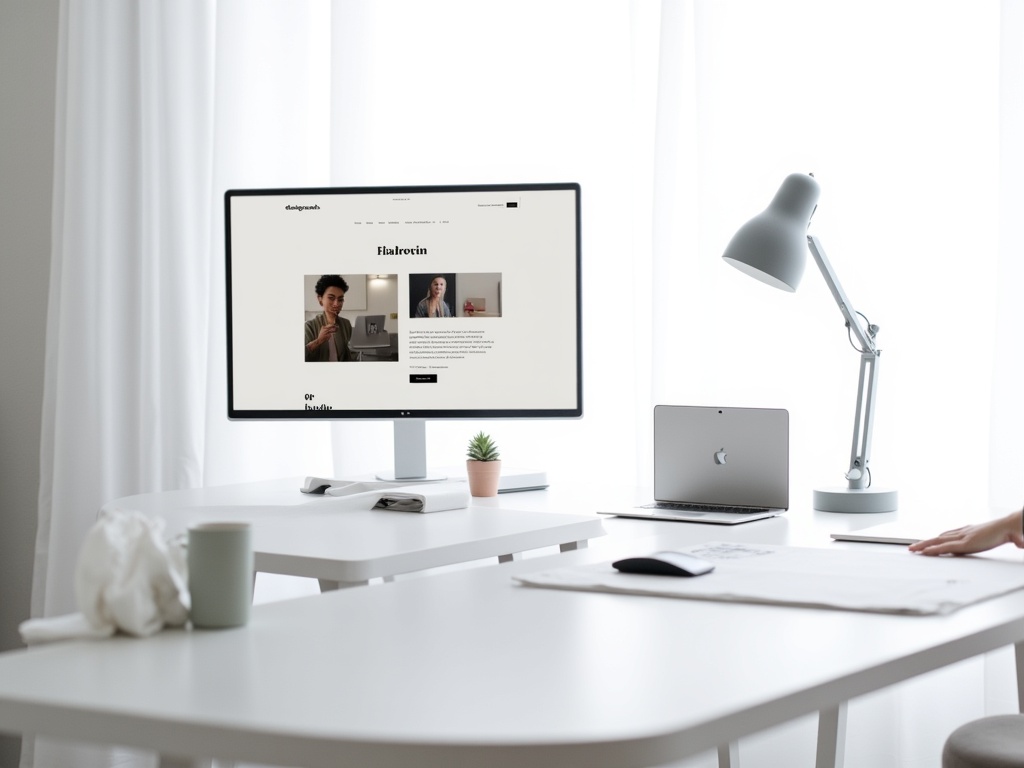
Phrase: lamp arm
pixel 866 341
pixel 858 476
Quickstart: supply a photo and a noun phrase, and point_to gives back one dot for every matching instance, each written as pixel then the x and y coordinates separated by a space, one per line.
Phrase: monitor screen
pixel 442 302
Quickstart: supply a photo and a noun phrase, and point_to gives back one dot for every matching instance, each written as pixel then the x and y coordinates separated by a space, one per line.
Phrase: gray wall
pixel 28 63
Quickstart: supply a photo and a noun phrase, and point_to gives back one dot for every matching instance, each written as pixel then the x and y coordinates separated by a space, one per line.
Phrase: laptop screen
pixel 721 456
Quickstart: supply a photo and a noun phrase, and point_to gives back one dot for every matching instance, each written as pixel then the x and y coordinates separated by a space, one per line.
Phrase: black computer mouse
pixel 665 564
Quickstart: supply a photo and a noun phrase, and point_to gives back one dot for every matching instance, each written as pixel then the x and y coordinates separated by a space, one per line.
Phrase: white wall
pixel 28 45
pixel 381 299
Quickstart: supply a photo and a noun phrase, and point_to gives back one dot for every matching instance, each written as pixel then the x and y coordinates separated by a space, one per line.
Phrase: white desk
pixel 467 668
pixel 298 534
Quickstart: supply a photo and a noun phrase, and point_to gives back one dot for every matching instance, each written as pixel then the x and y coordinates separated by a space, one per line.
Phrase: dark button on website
pixel 423 378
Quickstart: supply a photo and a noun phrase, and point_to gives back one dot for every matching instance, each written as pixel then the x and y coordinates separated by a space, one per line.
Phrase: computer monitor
pixel 417 260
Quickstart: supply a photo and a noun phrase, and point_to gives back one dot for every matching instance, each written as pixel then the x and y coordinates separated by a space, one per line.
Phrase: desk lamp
pixel 772 247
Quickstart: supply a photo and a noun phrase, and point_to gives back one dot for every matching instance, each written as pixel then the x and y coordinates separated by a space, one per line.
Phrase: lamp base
pixel 855 500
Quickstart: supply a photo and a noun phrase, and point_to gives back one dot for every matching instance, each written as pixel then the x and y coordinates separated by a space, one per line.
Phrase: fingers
pixel 933 547
pixel 956 541
pixel 954 536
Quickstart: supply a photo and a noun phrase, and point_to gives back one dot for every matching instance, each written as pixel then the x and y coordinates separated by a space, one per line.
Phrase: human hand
pixel 325 334
pixel 970 539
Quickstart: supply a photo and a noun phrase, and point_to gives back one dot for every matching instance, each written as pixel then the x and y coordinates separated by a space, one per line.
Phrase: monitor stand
pixel 411 454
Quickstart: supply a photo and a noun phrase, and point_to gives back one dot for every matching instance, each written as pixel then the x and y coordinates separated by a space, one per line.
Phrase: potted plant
pixel 483 465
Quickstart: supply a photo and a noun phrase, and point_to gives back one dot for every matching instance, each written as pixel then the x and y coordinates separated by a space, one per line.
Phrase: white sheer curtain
pixel 679 120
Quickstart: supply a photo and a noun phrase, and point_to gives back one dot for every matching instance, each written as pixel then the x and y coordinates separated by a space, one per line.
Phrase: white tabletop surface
pixel 470 668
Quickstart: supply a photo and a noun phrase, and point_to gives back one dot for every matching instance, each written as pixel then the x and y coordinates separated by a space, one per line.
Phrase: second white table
pixel 297 534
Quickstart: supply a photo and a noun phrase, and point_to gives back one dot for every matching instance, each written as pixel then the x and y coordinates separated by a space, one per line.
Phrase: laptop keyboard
pixel 675 507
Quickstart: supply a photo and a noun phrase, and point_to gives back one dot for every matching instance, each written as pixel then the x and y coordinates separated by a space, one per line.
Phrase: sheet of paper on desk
pixel 852 580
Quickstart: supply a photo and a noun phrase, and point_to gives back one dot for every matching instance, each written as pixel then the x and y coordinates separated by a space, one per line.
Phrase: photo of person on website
pixel 433 304
pixel 327 335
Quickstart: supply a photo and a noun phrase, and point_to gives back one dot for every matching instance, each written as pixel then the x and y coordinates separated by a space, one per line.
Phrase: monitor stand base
pixel 430 477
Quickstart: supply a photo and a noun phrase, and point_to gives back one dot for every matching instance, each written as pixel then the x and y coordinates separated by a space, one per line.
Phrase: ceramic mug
pixel 220 574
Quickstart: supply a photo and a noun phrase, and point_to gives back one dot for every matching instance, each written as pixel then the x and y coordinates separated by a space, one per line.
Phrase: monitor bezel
pixel 399 414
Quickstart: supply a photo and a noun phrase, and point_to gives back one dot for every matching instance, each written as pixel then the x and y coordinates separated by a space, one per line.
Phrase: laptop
pixel 717 465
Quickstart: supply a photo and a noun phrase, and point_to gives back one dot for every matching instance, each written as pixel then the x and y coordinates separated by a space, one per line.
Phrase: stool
pixel 991 742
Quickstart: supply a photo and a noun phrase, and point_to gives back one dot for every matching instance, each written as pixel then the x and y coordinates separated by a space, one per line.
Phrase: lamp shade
pixel 772 246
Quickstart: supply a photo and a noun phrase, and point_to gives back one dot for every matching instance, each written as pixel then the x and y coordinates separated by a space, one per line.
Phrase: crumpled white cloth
pixel 128 578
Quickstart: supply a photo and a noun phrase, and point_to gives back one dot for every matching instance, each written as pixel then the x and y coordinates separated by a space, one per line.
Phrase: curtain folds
pixel 679 119
pixel 129 296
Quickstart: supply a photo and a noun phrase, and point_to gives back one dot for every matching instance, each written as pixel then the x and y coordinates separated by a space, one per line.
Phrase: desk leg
pixel 169 761
pixel 831 737
pixel 569 546
pixel 1018 649
pixel 729 755
pixel 327 585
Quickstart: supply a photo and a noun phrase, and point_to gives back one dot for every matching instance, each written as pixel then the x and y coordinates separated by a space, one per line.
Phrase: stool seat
pixel 991 742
